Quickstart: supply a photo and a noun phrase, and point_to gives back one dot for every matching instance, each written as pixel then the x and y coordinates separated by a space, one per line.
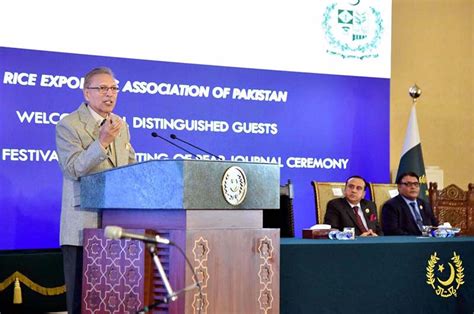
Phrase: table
pixel 377 275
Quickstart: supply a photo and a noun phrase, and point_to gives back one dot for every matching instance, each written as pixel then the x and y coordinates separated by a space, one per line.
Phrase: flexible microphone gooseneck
pixel 154 134
pixel 174 137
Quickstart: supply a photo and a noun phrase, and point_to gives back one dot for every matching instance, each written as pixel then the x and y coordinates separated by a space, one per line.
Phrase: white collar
pixel 97 117
pixel 352 206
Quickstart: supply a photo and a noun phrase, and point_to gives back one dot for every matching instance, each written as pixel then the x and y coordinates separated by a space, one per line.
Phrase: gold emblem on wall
pixel 234 185
pixel 445 279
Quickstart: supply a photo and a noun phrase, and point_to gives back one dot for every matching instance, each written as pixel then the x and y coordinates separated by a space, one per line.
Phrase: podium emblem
pixel 234 185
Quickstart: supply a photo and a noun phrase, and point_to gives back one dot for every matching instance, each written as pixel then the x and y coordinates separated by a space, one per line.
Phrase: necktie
pixel 419 220
pixel 359 222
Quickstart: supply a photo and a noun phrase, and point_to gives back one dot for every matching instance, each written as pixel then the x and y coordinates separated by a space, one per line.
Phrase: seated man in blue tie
pixel 406 214
pixel 353 210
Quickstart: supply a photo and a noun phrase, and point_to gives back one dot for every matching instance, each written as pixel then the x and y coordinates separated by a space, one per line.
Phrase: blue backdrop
pixel 318 127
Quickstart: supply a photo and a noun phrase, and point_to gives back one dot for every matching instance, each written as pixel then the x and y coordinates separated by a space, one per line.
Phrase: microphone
pixel 115 233
pixel 154 134
pixel 174 137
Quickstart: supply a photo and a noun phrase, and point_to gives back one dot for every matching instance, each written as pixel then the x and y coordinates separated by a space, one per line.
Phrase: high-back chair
pixel 282 218
pixel 380 193
pixel 453 205
pixel 323 193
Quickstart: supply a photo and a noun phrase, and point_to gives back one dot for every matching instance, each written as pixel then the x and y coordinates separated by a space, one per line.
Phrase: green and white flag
pixel 412 157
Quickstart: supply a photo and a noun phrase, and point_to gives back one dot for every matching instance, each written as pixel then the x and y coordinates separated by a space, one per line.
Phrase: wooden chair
pixel 323 193
pixel 283 218
pixel 454 205
pixel 380 193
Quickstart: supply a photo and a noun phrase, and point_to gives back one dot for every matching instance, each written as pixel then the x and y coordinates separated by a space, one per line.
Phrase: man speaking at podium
pixel 89 140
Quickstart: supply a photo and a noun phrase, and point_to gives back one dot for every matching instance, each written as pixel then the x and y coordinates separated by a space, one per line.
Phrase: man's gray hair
pixel 99 70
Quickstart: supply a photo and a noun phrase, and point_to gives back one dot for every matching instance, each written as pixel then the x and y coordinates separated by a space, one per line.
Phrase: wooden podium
pixel 212 210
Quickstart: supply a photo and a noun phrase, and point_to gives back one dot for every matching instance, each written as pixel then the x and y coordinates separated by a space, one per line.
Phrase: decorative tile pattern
pixel 265 274
pixel 201 253
pixel 113 274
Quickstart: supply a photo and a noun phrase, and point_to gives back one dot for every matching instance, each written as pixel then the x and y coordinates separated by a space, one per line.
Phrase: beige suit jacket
pixel 80 153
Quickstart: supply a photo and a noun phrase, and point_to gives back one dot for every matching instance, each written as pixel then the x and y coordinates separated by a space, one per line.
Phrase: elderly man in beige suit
pixel 90 139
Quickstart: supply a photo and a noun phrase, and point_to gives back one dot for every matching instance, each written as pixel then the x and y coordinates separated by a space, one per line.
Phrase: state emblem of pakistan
pixel 234 185
pixel 446 278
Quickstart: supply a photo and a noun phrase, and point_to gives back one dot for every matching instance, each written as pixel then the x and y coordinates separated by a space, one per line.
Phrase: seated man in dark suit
pixel 353 210
pixel 406 214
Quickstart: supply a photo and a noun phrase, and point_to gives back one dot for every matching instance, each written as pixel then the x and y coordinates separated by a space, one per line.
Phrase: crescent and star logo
pixel 234 185
pixel 445 280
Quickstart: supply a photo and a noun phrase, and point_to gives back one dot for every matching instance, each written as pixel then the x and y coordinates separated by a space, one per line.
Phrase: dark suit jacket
pixel 339 214
pixel 397 218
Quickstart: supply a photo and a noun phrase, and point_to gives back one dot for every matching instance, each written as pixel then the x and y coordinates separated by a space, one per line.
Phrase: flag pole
pixel 411 158
pixel 414 92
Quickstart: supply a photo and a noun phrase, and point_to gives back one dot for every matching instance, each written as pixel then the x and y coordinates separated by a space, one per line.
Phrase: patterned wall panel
pixel 113 275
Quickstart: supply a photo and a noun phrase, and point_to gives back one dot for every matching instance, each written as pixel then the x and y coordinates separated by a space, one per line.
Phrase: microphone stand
pixel 165 300
pixel 171 295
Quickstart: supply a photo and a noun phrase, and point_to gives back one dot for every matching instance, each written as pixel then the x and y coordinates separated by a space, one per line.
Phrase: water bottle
pixel 440 233
pixel 350 233
pixel 333 234
pixel 344 235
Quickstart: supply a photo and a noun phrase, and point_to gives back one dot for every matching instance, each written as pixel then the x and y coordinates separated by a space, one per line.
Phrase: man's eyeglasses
pixel 104 89
pixel 415 184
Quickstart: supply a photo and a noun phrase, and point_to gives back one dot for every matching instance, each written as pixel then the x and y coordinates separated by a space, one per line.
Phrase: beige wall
pixel 432 46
